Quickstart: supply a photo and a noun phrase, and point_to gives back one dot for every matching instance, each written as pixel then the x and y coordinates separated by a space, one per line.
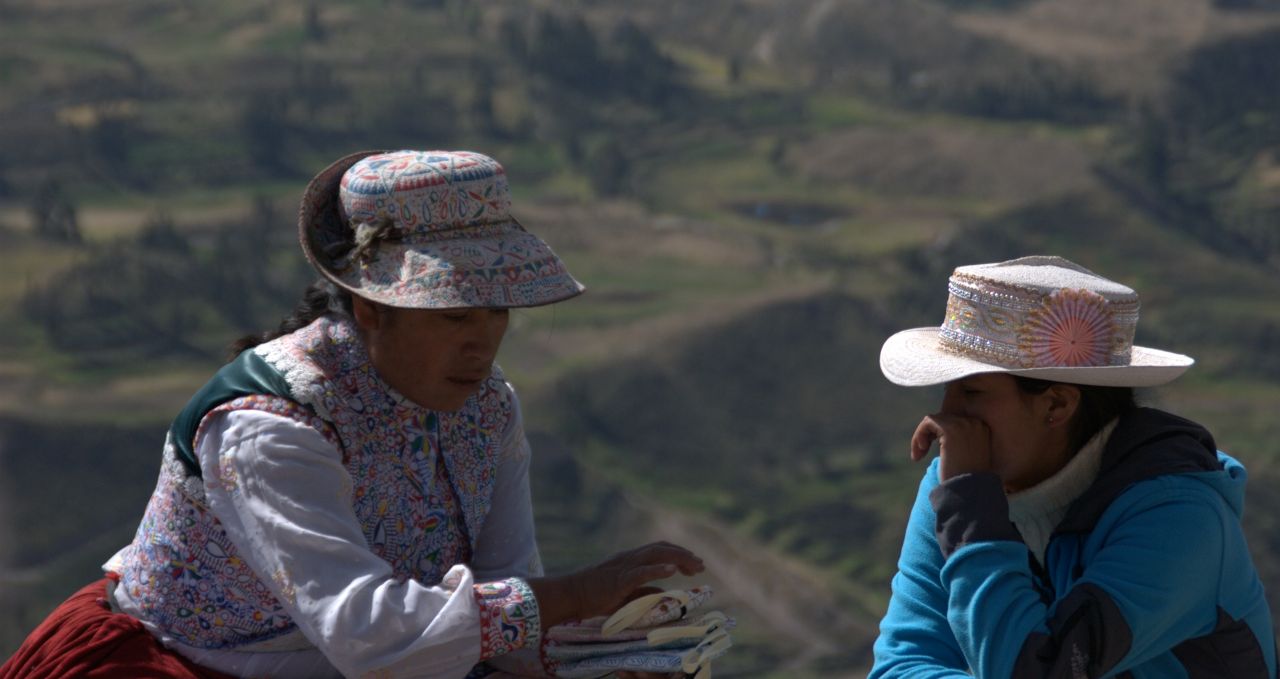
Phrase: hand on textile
pixel 964 444
pixel 601 589
pixel 606 586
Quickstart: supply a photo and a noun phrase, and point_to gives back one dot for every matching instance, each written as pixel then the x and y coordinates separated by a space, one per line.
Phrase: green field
pixel 755 197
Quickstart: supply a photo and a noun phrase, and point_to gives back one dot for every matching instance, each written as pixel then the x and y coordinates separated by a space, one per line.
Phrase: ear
pixel 1062 401
pixel 366 313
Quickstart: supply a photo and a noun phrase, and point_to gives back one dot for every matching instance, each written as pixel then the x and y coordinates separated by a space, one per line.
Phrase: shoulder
pixel 1150 442
pixel 1172 489
pixel 1160 459
pixel 1171 506
pixel 258 415
pixel 1146 446
pixel 266 411
pixel 263 442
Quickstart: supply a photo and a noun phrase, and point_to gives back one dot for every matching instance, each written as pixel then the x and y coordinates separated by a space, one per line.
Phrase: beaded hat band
pixel 1042 317
pixel 427 230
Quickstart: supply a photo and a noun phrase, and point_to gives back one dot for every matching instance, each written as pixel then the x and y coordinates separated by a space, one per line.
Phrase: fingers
pixel 964 443
pixel 635 577
pixel 928 431
pixel 621 577
pixel 659 560
pixel 658 553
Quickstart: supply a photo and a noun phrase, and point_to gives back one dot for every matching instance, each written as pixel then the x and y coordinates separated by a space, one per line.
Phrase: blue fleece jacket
pixel 1148 575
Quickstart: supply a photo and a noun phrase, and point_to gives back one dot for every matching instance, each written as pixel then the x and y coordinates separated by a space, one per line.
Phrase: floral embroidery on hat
pixel 1073 328
pixel 427 229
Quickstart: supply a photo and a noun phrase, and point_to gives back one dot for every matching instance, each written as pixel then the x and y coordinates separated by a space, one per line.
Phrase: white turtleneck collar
pixel 1037 510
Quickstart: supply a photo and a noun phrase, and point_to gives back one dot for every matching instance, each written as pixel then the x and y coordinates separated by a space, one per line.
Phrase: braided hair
pixel 321 298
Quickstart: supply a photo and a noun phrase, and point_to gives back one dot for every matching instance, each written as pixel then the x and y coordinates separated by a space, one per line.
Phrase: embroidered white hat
pixel 427 230
pixel 1041 317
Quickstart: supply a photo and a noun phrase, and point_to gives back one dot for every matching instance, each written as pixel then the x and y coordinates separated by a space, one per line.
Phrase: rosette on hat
pixel 1041 317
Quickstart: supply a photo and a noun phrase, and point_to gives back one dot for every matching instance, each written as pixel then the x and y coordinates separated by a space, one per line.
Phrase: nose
pixel 952 400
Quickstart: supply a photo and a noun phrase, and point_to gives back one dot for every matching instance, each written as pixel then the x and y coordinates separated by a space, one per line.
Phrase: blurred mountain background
pixel 756 193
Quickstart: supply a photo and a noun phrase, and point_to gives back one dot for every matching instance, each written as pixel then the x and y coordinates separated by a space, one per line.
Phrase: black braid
pixel 321 297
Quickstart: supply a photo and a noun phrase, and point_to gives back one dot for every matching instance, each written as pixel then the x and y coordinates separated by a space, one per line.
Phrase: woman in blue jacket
pixel 1063 531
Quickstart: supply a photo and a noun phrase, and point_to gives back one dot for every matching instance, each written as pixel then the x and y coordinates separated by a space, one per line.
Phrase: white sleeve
pixel 507 546
pixel 282 494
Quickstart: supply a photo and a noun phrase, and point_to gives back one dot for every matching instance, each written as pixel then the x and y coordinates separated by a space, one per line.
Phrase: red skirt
pixel 82 638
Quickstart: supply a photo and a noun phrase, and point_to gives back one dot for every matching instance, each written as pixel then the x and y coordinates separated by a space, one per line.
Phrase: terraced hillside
pixel 756 193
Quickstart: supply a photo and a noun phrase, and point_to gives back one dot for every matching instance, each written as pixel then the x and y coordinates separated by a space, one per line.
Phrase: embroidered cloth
pixel 342 479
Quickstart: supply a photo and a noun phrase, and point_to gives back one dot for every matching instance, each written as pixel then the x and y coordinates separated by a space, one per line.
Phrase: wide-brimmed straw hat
pixel 427 230
pixel 1041 317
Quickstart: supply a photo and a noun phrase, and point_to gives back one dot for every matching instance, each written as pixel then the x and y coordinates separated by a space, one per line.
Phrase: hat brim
pixel 440 275
pixel 508 268
pixel 915 358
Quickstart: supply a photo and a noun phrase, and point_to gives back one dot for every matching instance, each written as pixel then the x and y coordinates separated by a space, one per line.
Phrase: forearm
pixel 915 638
pixel 993 606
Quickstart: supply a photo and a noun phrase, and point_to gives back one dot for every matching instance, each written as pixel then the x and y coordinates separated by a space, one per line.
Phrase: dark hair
pixel 320 298
pixel 1098 406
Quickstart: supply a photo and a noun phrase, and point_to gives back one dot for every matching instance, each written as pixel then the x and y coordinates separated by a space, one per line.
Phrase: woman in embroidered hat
pixel 349 496
pixel 1063 530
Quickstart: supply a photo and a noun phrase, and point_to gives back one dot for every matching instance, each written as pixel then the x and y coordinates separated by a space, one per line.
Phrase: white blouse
pixel 354 618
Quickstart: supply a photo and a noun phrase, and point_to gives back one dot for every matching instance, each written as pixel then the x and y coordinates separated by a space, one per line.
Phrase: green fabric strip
pixel 246 375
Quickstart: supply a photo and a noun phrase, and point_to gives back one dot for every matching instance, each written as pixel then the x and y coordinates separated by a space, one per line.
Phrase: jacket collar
pixel 1146 443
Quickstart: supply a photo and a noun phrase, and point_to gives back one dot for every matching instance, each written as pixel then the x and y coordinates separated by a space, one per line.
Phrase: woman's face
pixel 1025 449
pixel 436 358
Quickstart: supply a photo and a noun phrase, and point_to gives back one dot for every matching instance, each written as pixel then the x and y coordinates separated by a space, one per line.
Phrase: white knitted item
pixel 1038 510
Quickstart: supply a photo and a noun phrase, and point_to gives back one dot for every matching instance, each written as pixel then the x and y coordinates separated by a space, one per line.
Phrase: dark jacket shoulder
pixel 1146 443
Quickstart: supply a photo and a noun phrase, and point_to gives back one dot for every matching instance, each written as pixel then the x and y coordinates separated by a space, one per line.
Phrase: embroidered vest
pixel 422 483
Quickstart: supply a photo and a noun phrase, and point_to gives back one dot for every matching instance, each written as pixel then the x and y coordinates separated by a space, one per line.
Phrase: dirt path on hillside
pixel 782 598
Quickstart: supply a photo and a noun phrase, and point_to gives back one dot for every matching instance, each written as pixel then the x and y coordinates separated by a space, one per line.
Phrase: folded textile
pixel 677 634
pixel 655 609
pixel 653 633
pixel 664 607
pixel 589 631
pixel 694 660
